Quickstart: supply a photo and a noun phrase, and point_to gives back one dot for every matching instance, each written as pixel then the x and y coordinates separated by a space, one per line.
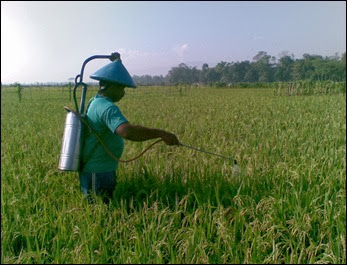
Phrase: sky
pixel 48 41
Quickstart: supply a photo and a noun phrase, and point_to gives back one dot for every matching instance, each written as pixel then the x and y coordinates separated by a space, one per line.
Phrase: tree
pixel 238 70
pixel 343 67
pixel 212 75
pixel 203 73
pixel 183 74
pixel 251 75
pixel 263 66
pixel 260 56
pixel 222 70
pixel 284 68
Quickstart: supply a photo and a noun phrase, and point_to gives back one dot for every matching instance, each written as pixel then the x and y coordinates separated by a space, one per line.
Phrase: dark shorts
pixel 98 183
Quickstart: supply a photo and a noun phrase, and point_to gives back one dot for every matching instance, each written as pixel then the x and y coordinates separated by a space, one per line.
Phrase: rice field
pixel 176 205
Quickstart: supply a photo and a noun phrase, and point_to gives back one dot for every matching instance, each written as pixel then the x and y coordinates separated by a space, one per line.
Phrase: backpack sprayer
pixel 76 122
pixel 71 144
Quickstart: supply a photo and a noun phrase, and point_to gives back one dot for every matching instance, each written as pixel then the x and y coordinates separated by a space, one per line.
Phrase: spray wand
pixel 194 148
pixel 236 171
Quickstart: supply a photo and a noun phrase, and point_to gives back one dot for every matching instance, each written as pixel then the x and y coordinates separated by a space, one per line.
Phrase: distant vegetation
pixel 263 69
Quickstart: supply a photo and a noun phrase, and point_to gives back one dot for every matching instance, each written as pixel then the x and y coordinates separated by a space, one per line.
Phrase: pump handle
pixel 78 80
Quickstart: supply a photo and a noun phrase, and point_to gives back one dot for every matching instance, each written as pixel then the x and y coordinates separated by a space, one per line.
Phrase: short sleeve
pixel 113 117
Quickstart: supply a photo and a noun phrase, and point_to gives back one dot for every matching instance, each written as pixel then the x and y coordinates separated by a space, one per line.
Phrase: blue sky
pixel 48 41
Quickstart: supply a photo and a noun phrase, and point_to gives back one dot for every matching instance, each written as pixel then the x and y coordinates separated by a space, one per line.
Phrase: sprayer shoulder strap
pixel 89 127
pixel 92 131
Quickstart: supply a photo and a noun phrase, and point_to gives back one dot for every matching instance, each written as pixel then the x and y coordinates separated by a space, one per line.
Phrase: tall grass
pixel 175 205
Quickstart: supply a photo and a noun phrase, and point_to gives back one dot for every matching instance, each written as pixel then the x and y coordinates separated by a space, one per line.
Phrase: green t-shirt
pixel 104 117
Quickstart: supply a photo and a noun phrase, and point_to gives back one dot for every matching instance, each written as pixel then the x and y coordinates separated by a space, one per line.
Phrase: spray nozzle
pixel 236 170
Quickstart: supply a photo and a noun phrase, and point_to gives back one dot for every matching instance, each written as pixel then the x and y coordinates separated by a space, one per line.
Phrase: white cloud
pixel 180 50
pixel 131 54
pixel 257 37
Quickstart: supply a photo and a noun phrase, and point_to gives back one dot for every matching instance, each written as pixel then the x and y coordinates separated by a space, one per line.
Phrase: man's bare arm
pixel 141 133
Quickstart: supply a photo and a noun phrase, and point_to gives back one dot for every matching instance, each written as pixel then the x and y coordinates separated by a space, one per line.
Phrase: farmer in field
pixel 98 171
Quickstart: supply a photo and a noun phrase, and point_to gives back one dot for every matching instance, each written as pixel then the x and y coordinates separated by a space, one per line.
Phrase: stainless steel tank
pixel 71 144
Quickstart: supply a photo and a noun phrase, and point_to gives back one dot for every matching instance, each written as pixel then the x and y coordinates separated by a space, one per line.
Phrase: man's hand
pixel 170 138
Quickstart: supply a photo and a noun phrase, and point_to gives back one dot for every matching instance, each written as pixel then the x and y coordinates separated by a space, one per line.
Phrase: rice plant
pixel 176 205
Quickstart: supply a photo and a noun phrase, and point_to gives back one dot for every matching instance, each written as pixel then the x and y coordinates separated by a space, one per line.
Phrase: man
pixel 98 171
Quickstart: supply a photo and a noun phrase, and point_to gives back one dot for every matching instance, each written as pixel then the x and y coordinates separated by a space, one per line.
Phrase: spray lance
pixel 76 122
pixel 236 171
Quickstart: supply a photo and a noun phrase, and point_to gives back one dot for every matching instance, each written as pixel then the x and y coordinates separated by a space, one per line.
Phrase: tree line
pixel 264 68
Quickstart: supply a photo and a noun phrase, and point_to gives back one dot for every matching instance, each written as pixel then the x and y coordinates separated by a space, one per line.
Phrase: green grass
pixel 176 205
